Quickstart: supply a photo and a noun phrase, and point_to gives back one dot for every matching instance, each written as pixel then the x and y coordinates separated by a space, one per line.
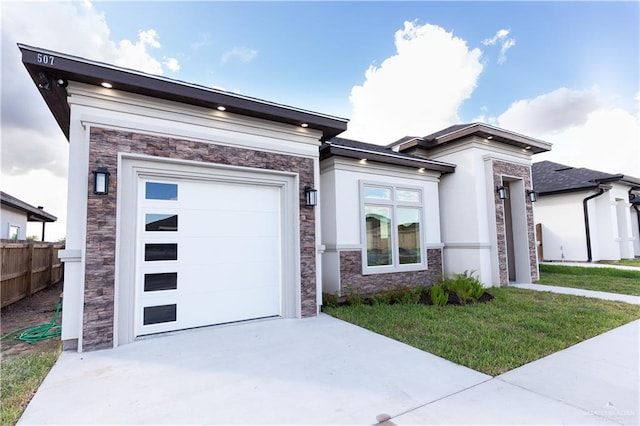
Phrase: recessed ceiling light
pixel 106 85
pixel 221 108
pixel 304 125
pixel 489 137
pixel 527 147
pixel 421 169
pixel 363 161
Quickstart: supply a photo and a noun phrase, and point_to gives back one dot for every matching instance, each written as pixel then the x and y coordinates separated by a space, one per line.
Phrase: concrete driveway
pixel 312 371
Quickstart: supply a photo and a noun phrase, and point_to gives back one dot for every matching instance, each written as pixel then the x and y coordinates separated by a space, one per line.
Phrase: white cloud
pixel 172 64
pixel 584 131
pixel 552 112
pixel 506 43
pixel 32 143
pixel 416 91
pixel 244 54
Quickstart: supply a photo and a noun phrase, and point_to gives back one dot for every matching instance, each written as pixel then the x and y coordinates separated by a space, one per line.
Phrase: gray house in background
pixel 586 215
pixel 16 213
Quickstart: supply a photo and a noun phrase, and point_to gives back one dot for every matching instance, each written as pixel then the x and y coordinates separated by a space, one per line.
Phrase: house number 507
pixel 45 59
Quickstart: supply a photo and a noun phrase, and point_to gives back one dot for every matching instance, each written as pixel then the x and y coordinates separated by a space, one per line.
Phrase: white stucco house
pixel 15 214
pixel 193 206
pixel 586 215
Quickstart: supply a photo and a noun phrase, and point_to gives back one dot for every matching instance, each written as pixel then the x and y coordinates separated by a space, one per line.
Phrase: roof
pixel 51 71
pixel 461 131
pixel 355 149
pixel 34 214
pixel 554 178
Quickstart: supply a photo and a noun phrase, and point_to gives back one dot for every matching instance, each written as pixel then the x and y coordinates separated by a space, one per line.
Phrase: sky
pixel 564 72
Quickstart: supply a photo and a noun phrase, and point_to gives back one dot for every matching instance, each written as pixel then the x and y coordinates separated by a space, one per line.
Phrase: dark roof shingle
pixel 553 178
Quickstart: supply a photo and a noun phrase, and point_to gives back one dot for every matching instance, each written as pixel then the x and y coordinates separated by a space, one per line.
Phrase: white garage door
pixel 207 253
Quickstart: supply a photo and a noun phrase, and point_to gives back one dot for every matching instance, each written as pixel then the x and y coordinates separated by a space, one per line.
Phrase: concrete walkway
pixel 635 300
pixel 325 371
pixel 593 265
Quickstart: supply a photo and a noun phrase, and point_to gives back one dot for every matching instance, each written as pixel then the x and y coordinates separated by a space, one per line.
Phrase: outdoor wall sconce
pixel 532 195
pixel 101 181
pixel 503 193
pixel 311 196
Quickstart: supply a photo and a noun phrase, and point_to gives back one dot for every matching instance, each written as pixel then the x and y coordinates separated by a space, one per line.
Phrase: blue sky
pixel 310 54
pixel 564 72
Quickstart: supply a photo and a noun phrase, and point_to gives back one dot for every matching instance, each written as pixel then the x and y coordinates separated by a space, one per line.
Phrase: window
pixel 392 228
pixel 161 191
pixel 161 222
pixel 14 232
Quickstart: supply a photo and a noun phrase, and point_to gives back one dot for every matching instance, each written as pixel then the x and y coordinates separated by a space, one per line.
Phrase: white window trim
pixel 395 266
pixel 18 227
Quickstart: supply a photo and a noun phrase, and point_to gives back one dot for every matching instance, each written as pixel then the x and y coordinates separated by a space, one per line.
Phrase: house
pixel 16 213
pixel 194 206
pixel 586 215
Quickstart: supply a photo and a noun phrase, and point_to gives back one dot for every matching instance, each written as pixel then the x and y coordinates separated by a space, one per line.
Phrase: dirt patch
pixel 36 309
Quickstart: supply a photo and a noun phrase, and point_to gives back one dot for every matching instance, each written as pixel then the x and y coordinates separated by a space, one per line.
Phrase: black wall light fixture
pixel 311 196
pixel 532 195
pixel 503 192
pixel 101 181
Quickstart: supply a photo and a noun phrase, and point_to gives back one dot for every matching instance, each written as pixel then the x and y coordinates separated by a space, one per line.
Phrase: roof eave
pixel 532 145
pixel 68 67
pixel 328 150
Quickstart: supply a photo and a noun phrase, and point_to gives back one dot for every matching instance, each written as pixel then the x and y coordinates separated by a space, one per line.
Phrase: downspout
pixel 601 190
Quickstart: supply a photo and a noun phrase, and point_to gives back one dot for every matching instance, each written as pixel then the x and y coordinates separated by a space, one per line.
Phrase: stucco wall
pixel 469 211
pixel 10 216
pixel 563 232
pixel 342 222
pixel 610 223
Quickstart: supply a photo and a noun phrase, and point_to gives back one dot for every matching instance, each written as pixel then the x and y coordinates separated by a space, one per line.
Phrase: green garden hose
pixel 38 332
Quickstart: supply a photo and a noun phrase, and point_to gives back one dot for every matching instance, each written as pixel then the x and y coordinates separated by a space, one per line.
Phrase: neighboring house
pixel 193 206
pixel 16 213
pixel 586 215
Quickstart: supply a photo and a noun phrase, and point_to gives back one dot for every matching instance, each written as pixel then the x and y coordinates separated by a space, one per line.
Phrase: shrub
pixel 330 300
pixel 439 296
pixel 465 286
pixel 354 298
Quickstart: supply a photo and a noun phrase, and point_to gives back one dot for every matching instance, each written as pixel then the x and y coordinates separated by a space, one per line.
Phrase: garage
pixel 207 252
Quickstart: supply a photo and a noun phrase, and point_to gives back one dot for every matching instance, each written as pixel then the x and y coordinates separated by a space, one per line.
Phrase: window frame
pixel 394 204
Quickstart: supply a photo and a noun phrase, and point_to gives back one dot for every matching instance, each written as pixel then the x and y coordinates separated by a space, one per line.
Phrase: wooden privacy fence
pixel 28 267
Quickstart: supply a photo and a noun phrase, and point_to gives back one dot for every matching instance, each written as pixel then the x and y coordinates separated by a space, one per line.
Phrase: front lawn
pixel 22 374
pixel 518 326
pixel 600 279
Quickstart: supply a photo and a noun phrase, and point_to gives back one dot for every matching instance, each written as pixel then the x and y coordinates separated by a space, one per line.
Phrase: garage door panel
pixel 224 279
pixel 235 196
pixel 228 223
pixel 241 251
pixel 229 256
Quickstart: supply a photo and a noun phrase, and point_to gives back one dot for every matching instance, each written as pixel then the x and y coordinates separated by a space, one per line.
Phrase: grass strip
pixel 517 327
pixel 21 377
pixel 622 262
pixel 599 279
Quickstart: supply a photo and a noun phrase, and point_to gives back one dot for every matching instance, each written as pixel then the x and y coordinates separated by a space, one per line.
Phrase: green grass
pixel 517 327
pixel 600 279
pixel 21 376
pixel 623 262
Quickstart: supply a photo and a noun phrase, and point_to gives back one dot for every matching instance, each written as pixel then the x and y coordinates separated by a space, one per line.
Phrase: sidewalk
pixel 593 265
pixel 634 300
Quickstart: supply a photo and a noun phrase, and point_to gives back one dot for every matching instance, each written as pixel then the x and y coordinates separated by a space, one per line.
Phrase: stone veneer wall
pixel 501 168
pixel 351 278
pixel 100 262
